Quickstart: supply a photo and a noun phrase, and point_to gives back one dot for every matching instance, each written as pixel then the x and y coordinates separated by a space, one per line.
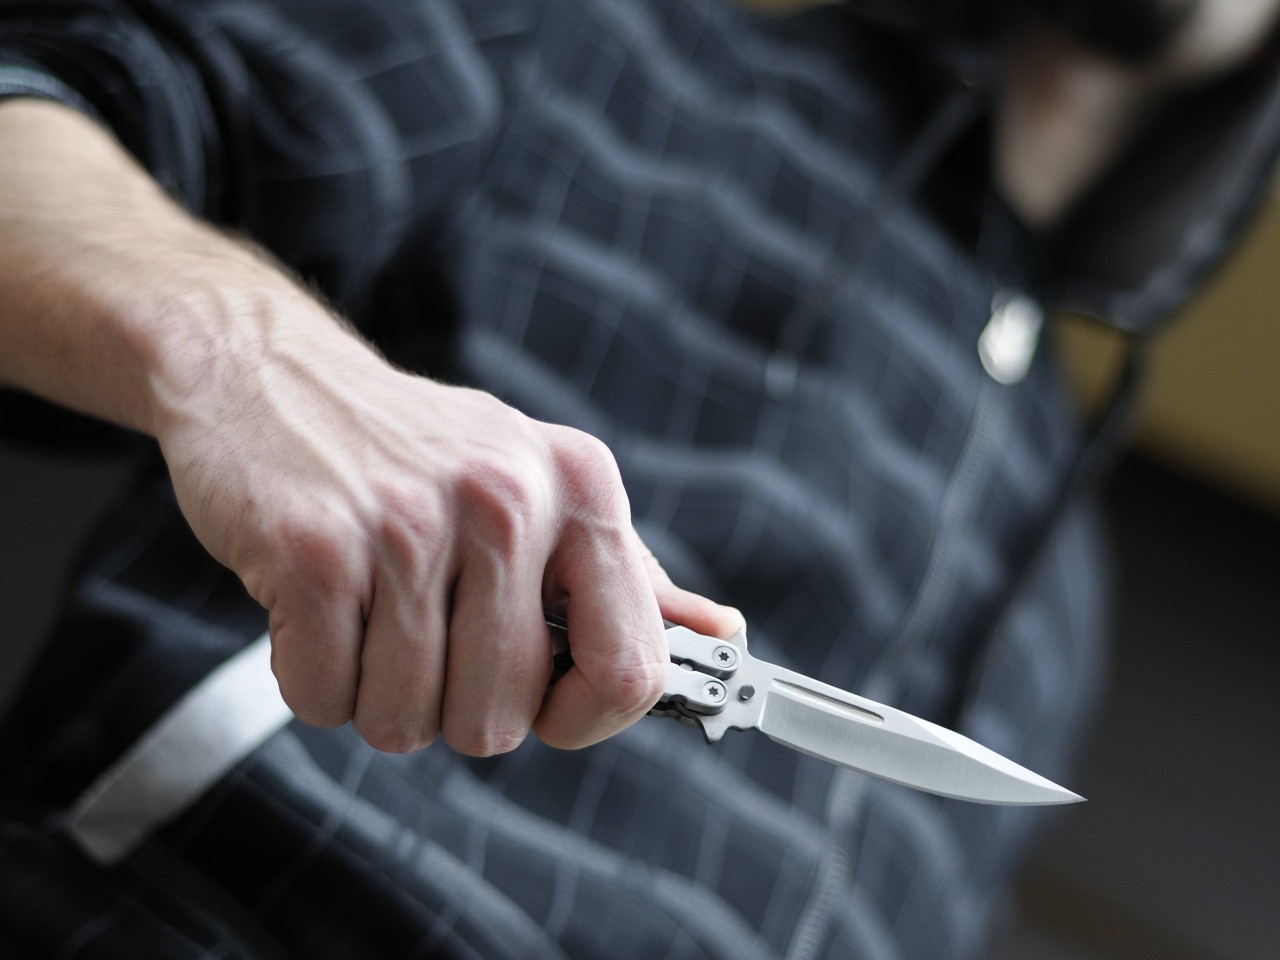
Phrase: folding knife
pixel 717 685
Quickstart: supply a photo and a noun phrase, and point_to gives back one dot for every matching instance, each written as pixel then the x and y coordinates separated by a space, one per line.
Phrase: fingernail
pixel 736 615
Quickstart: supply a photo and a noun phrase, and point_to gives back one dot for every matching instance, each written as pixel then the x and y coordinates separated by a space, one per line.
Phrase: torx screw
pixel 725 657
pixel 714 690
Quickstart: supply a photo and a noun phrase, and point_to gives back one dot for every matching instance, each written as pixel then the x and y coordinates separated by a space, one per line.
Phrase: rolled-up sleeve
pixel 139 70
pixel 328 131
pixel 135 70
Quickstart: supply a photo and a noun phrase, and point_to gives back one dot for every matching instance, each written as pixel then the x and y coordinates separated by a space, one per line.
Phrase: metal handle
pixel 699 665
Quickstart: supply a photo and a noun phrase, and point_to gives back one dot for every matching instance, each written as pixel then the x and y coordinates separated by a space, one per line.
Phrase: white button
pixel 1008 342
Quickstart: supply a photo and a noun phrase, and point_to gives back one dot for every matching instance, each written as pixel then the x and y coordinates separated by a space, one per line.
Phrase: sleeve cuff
pixel 20 80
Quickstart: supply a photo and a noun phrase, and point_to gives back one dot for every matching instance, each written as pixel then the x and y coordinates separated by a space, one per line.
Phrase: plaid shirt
pixel 664 223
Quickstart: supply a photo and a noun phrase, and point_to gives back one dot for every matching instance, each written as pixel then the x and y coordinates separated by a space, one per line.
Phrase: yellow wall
pixel 1212 401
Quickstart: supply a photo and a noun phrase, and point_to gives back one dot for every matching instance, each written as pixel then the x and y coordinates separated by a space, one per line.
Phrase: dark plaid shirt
pixel 677 226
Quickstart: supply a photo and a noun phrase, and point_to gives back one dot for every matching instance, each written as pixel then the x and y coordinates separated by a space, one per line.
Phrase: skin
pixel 404 536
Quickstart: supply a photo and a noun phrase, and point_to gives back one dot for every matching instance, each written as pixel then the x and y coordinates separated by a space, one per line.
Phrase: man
pixel 754 259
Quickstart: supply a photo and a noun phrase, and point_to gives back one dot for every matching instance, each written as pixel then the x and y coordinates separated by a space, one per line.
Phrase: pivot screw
pixel 714 690
pixel 725 657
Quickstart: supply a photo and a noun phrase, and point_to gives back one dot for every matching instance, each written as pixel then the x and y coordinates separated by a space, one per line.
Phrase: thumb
pixel 689 609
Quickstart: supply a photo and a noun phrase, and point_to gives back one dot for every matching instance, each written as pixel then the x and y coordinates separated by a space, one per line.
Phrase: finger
pixel 403 660
pixel 499 660
pixel 316 623
pixel 616 634
pixel 687 608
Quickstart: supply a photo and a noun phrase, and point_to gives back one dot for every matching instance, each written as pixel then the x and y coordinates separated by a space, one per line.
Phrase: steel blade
pixel 879 740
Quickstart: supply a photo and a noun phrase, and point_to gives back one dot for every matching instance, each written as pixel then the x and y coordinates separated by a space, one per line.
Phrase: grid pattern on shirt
pixel 650 845
pixel 625 209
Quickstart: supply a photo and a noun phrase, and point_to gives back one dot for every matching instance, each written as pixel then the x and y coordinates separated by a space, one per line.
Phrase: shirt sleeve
pixel 329 131
pixel 139 71
pixel 18 79
pixel 104 60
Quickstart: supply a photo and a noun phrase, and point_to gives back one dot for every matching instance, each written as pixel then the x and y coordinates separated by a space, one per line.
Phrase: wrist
pixel 225 328
pixel 113 300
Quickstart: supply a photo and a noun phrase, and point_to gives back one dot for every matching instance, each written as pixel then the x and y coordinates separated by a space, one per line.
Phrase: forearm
pixel 113 300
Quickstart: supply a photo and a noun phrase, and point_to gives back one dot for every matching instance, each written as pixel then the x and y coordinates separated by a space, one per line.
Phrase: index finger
pixel 616 632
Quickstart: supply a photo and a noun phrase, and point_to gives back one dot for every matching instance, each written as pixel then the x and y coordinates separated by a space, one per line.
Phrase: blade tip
pixel 1061 797
pixel 1046 796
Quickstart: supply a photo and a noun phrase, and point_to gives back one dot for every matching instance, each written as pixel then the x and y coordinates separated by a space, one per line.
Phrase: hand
pixel 406 536
pixel 403 535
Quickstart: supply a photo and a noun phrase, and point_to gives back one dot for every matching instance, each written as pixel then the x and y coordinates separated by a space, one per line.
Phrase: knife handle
pixel 699 666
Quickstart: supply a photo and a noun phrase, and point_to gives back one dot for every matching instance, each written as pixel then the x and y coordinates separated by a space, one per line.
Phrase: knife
pixel 718 686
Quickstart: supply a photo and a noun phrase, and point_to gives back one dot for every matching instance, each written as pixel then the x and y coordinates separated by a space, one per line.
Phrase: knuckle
pixel 393 736
pixel 316 708
pixel 591 453
pixel 318 548
pixel 410 520
pixel 503 502
pixel 484 742
pixel 591 477
pixel 634 686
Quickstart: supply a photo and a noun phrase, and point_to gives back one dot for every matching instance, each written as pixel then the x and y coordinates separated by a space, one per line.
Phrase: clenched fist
pixel 406 537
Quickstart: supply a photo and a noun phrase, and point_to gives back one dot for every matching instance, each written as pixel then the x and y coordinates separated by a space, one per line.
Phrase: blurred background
pixel 1177 854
